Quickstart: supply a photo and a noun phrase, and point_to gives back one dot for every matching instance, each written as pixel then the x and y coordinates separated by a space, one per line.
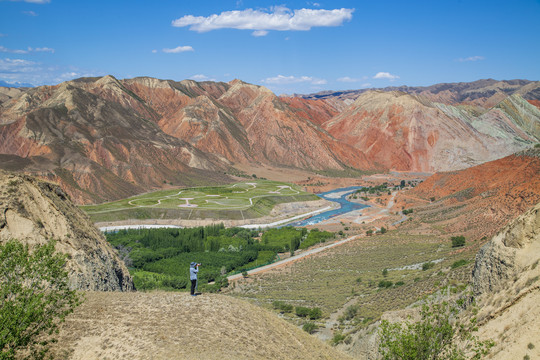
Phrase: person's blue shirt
pixel 193 270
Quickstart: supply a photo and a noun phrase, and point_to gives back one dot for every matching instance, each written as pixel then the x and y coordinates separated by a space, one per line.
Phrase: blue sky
pixel 292 46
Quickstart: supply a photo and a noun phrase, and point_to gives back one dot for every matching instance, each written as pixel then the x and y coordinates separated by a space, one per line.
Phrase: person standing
pixel 193 270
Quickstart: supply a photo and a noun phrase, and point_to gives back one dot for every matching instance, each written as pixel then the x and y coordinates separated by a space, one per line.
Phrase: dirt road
pixel 301 255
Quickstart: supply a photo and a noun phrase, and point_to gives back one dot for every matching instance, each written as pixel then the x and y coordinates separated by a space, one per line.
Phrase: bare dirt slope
pixel 162 325
pixel 506 279
pixel 34 212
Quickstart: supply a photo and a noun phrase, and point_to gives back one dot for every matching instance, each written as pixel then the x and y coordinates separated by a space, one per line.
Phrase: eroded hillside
pixel 34 212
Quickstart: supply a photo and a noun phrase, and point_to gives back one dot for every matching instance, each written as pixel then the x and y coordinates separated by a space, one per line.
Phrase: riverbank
pixel 282 214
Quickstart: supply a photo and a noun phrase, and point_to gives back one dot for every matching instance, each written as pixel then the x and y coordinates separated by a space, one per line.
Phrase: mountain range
pixel 104 138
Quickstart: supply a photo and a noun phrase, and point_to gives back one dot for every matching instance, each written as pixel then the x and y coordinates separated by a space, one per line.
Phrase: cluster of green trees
pixel 373 189
pixel 160 258
pixel 315 236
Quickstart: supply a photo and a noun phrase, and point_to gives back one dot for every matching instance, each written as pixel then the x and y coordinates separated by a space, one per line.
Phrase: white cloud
pixel 201 77
pixel 3 35
pixel 348 79
pixel 365 85
pixel 385 75
pixel 13 51
pixel 471 58
pixel 178 49
pixel 12 66
pixel 278 18
pixel 43 49
pixel 27 51
pixel 30 13
pixel 280 79
pixel 30 72
pixel 154 51
pixel 258 33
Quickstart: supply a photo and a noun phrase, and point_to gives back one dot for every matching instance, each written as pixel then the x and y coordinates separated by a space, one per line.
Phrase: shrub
pixel 530 346
pixel 350 312
pixel 458 241
pixel 34 298
pixel 438 335
pixel 302 311
pixel 385 284
pixel 338 338
pixel 459 263
pixel 315 314
pixel 427 265
pixel 280 305
pixel 309 327
pixel 383 230
pixel 385 272
pixel 400 283
pixel 175 282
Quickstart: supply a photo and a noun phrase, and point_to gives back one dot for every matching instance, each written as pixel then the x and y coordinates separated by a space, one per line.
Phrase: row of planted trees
pixel 160 258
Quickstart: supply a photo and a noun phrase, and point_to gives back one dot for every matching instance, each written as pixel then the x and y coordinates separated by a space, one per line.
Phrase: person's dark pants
pixel 193 284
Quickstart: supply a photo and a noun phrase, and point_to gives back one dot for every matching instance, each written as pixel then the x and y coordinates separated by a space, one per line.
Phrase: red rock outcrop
pixel 483 198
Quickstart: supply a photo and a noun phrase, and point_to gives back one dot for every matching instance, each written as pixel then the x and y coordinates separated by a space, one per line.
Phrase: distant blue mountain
pixel 14 84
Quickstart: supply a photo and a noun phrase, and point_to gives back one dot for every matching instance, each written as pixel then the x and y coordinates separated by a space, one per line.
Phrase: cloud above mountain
pixel 385 75
pixel 278 18
pixel 280 79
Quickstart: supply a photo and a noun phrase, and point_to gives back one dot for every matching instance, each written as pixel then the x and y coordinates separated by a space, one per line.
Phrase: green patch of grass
pixel 459 263
pixel 250 199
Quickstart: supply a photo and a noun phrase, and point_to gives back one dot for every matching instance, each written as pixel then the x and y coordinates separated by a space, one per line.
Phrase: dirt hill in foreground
pixel 34 212
pixel 164 325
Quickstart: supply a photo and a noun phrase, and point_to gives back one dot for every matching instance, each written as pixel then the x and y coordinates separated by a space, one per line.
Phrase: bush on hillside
pixel 438 335
pixel 309 327
pixel 34 298
pixel 315 314
pixel 458 241
pixel 302 311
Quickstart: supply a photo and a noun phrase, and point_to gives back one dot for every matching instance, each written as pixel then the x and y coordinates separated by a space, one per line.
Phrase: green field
pixel 244 200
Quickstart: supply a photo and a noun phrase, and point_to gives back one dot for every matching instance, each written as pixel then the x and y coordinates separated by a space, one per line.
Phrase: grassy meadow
pixel 244 200
pixel 354 274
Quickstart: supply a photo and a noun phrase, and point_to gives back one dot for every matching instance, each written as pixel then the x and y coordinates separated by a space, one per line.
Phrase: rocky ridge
pixel 34 212
pixel 103 139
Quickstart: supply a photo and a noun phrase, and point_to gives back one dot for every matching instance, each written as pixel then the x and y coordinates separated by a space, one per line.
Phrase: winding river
pixel 338 196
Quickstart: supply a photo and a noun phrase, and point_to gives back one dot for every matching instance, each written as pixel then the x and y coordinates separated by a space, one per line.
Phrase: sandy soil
pixel 165 325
